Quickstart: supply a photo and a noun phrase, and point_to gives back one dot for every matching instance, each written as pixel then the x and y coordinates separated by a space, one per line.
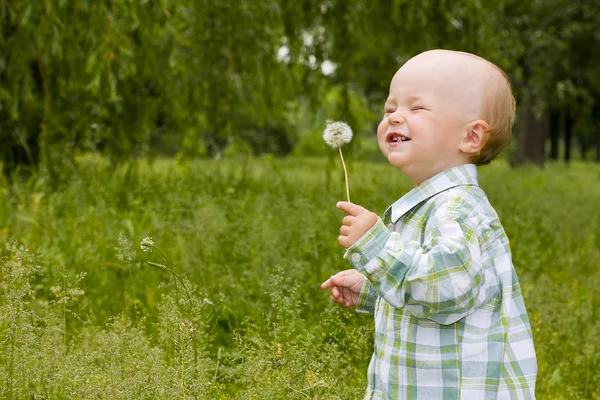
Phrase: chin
pixel 397 161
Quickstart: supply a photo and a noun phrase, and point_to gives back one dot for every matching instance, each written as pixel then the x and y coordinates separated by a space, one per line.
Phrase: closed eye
pixel 417 108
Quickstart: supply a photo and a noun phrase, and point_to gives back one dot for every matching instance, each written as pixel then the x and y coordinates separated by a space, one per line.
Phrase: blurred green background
pixel 212 77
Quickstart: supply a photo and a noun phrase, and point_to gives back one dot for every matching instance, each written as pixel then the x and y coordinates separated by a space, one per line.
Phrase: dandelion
pixel 337 134
pixel 147 244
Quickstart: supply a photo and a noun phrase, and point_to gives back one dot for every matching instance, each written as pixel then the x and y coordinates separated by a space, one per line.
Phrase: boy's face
pixel 432 100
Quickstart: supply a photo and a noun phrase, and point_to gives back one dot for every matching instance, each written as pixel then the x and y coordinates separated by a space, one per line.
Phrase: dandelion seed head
pixel 337 133
pixel 147 244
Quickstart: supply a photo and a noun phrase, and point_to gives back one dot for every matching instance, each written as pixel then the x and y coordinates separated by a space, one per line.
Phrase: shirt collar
pixel 465 174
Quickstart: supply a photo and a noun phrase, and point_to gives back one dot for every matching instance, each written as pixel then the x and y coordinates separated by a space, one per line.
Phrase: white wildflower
pixel 337 133
pixel 75 292
pixel 147 244
pixel 206 300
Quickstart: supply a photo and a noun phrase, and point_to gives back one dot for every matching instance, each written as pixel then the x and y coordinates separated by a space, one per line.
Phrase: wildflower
pixel 147 244
pixel 183 325
pixel 75 292
pixel 337 134
pixel 206 300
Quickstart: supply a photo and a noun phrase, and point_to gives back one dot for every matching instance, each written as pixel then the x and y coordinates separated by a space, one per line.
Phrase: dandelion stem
pixel 345 173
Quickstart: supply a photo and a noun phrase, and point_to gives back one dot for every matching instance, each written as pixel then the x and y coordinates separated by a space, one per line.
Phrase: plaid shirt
pixel 450 322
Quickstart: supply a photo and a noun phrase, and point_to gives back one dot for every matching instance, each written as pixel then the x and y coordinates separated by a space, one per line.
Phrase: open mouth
pixel 394 137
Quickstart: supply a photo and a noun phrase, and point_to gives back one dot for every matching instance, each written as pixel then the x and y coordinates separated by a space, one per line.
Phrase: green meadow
pixel 231 307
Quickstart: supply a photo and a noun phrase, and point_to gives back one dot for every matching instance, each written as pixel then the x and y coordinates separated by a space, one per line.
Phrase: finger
pixel 344 230
pixel 348 297
pixel 347 303
pixel 336 292
pixel 338 301
pixel 350 208
pixel 348 220
pixel 347 294
pixel 343 240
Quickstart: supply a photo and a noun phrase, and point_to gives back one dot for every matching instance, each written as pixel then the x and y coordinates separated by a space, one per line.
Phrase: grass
pixel 82 314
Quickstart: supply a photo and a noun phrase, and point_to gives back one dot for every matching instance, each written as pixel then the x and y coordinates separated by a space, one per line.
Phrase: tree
pixel 136 78
pixel 554 71
pixel 127 77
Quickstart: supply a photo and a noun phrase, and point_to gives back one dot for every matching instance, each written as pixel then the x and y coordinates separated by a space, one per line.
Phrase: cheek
pixel 382 130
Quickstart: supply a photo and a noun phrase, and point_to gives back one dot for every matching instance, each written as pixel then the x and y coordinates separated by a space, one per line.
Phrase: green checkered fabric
pixel 450 322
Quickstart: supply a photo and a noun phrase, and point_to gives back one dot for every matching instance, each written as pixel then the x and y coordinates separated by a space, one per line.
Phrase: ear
pixel 476 136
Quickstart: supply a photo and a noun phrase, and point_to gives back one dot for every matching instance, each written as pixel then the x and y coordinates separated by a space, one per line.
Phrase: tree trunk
pixel 532 135
pixel 568 136
pixel 598 147
pixel 583 144
pixel 554 134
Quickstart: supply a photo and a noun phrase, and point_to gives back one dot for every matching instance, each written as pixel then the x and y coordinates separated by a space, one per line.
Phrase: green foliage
pixel 85 316
pixel 193 77
pixel 284 359
pixel 127 78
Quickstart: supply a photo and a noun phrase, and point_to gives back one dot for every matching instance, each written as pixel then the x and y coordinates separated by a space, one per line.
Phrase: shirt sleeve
pixel 440 279
pixel 367 298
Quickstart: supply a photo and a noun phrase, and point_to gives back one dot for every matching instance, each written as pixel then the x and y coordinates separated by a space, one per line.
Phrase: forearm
pixel 439 280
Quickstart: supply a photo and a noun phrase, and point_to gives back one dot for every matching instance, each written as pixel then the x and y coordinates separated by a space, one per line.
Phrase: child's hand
pixel 355 224
pixel 345 287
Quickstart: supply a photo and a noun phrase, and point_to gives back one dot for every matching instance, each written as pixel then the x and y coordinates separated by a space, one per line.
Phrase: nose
pixel 396 118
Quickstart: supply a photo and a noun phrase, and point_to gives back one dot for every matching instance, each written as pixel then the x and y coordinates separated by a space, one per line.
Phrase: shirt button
pixel 355 257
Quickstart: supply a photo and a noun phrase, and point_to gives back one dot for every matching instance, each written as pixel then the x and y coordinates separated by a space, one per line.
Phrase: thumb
pixel 350 208
pixel 328 283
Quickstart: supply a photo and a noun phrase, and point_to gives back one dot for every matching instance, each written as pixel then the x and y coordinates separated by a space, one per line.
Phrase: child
pixel 436 272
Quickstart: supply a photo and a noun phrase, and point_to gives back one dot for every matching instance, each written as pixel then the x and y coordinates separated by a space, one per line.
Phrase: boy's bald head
pixel 478 87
